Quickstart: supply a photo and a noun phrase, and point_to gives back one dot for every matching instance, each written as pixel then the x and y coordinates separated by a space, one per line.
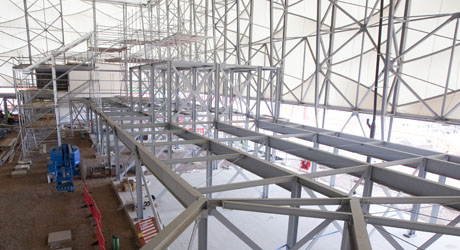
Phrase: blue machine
pixel 63 166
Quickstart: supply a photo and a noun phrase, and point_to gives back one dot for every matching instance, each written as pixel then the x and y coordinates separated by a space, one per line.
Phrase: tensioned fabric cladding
pixel 421 71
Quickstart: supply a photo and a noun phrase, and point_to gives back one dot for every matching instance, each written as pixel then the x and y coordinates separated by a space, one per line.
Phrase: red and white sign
pixel 146 230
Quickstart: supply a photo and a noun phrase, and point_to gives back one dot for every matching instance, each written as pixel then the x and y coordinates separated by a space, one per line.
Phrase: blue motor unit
pixel 64 164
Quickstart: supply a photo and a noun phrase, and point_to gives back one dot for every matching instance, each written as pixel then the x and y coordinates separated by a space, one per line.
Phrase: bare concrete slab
pixel 18 173
pixel 55 239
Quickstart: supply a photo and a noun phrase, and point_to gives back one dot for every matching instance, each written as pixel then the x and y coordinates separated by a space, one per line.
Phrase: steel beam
pixel 180 189
pixel 173 230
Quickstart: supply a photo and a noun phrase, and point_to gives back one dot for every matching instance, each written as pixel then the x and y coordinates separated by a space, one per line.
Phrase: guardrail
pixel 91 204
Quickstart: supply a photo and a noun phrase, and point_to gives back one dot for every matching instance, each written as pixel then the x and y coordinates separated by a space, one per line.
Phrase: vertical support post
pixel 209 168
pixel 107 149
pixel 317 58
pixel 293 220
pixel 131 99
pixel 203 232
pixel 387 66
pixel 5 105
pixel 436 207
pixel 164 97
pixel 377 75
pixel 87 116
pixel 56 103
pixel 251 24
pixel 169 106
pixel 314 165
pixel 101 136
pixel 368 187
pixel 194 93
pixel 216 95
pixel 248 94
pixel 329 62
pixel 117 154
pixel 332 180
pixel 231 97
pixel 194 111
pixel 402 48
pixel 225 95
pixel 248 107
pixel 92 121
pixel 29 42
pixel 213 164
pixel 177 106
pixel 267 158
pixel 346 243
pixel 258 99
pixel 416 207
pixel 139 196
pixel 169 92
pixel 70 113
pixel 278 89
pixel 152 105
pixel 97 131
pixel 140 95
pixel 238 47
pixel 271 34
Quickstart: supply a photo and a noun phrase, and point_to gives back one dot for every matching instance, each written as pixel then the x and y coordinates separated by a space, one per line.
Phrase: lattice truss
pixel 356 211
pixel 416 70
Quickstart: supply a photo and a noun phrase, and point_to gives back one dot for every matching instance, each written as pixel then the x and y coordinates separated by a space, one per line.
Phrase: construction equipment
pixel 64 164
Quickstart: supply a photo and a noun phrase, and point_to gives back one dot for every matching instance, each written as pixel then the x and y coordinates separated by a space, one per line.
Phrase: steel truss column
pixel 56 101
pixel 131 99
pixel 317 57
pixel 117 154
pixel 107 149
pixel 203 231
pixel 402 47
pixel 436 207
pixel 329 63
pixel 152 112
pixel 258 100
pixel 100 135
pixel 368 187
pixel 387 67
pixel 359 231
pixel 88 122
pixel 293 224
pixel 416 207
pixel 139 195
pixel 139 90
pixel 209 169
pixel 267 158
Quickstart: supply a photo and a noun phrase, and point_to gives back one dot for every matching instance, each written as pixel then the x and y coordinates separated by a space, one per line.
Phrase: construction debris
pixel 18 173
pixel 55 239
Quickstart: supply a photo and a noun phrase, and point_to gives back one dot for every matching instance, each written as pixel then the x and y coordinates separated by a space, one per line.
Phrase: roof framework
pixel 213 64
pixel 326 51
pixel 179 112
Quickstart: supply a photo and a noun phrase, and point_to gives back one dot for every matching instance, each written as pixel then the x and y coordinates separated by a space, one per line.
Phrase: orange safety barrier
pixel 89 201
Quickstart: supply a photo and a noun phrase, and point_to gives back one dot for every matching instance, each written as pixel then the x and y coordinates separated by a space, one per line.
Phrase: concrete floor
pixel 269 230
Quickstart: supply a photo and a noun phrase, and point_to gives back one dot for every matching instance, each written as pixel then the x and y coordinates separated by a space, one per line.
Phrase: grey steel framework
pixel 167 115
pixel 328 51
pixel 245 58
